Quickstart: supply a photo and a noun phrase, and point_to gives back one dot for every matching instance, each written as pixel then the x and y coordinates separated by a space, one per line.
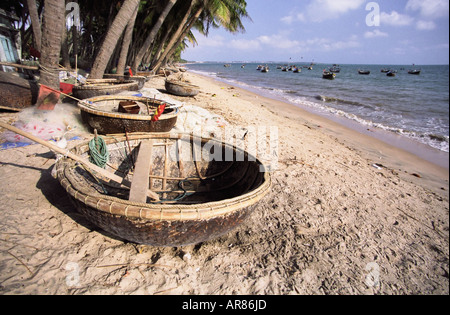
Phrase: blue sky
pixel 334 31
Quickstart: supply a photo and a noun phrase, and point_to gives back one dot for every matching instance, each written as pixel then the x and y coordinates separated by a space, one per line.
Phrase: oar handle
pixel 77 158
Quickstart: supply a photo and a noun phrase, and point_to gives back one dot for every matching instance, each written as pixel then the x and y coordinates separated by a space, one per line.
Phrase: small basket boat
pixel 202 198
pixel 180 88
pixel 102 113
pixel 100 87
pixel 16 93
pixel 141 80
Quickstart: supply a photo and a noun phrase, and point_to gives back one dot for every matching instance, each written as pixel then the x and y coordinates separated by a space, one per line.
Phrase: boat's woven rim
pixel 114 76
pixel 125 77
pixel 86 106
pixel 181 83
pixel 98 86
pixel 162 212
pixel 99 81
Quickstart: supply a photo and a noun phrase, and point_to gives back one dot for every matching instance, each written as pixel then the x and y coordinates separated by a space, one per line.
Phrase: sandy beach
pixel 347 214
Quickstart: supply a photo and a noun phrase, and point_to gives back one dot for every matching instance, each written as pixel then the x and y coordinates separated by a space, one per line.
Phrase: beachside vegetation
pixel 108 36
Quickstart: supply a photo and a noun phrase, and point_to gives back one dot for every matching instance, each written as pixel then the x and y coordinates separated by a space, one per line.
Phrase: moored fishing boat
pixel 391 73
pixel 364 72
pixel 180 88
pixel 415 71
pixel 200 198
pixel 103 113
pixel 328 75
pixel 335 68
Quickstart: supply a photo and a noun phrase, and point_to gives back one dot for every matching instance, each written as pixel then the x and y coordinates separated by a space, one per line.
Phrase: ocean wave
pixel 329 99
pixel 205 73
pixel 437 141
pixel 363 114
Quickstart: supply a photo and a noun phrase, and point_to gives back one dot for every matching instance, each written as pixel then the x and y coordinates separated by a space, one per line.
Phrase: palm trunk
pixel 54 20
pixel 161 47
pixel 151 37
pixel 75 38
pixel 65 59
pixel 182 30
pixel 113 36
pixel 126 43
pixel 35 24
pixel 187 29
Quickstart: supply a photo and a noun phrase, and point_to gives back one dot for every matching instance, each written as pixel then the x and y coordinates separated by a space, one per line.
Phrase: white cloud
pixel 320 10
pixel 375 33
pixel 429 8
pixel 425 25
pixel 214 41
pixel 280 41
pixel 396 19
pixel 399 51
pixel 283 41
pixel 246 45
pixel 326 44
pixel 341 45
pixel 294 17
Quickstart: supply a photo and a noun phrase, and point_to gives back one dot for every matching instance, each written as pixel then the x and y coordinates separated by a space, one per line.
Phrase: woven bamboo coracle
pixel 201 198
pixel 181 88
pixel 100 87
pixel 140 79
pixel 102 113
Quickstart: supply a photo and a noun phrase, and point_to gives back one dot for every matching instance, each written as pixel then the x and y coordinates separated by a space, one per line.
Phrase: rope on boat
pixel 98 151
pixel 180 197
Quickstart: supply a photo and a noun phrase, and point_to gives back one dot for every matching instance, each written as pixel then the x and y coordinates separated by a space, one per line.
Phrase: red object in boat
pixel 66 88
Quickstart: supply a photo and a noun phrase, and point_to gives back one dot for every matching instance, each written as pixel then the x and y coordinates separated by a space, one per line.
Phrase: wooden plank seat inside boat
pixel 141 180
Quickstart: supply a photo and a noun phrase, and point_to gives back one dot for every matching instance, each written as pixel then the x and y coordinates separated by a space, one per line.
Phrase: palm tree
pixel 225 13
pixel 52 29
pixel 115 31
pixel 184 23
pixel 151 37
pixel 215 13
pixel 177 39
pixel 126 43
pixel 35 23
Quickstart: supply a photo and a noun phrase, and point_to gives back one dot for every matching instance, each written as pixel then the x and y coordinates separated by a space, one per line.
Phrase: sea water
pixel 411 106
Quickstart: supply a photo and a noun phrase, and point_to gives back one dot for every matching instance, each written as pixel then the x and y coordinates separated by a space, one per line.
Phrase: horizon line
pixel 317 63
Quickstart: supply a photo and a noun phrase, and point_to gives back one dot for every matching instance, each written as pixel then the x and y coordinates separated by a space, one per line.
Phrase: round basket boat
pixel 202 197
pixel 139 79
pixel 180 88
pixel 100 87
pixel 102 113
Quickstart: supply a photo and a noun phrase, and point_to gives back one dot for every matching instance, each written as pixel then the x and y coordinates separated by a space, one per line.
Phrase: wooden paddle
pixel 85 162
